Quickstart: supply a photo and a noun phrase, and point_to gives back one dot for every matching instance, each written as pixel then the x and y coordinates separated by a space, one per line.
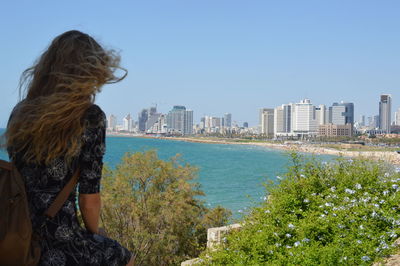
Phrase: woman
pixel 56 130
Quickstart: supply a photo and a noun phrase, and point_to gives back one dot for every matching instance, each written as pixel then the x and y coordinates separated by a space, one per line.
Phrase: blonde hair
pixel 59 88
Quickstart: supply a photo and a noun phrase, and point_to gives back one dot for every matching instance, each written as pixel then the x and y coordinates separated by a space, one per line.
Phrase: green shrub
pixel 152 207
pixel 345 212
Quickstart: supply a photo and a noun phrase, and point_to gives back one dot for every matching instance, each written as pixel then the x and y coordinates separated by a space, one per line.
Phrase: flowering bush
pixel 345 212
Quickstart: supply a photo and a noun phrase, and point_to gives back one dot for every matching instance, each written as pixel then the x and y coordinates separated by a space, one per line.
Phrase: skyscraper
pixel 112 122
pixel 142 119
pixel 385 112
pixel 341 113
pixel 283 120
pixel 128 123
pixel 180 120
pixel 397 117
pixel 304 122
pixel 228 120
pixel 267 121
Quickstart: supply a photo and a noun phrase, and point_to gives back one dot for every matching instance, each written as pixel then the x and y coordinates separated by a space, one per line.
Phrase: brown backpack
pixel 18 243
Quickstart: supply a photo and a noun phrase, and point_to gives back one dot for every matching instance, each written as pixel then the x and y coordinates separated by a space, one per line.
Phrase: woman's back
pixel 57 130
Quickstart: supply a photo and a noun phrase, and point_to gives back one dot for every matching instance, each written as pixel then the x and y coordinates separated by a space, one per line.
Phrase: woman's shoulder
pixel 94 116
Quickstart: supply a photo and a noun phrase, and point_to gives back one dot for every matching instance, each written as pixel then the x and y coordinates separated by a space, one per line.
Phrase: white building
pixel 112 123
pixel 397 117
pixel 283 122
pixel 228 120
pixel 304 121
pixel 128 123
pixel 267 121
pixel 320 115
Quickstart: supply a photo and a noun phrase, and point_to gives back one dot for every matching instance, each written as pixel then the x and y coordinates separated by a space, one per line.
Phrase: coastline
pixel 389 157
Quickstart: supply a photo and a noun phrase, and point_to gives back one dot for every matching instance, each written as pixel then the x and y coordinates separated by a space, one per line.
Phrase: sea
pixel 231 176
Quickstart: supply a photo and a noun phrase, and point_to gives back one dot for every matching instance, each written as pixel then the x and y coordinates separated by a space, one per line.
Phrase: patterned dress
pixel 64 241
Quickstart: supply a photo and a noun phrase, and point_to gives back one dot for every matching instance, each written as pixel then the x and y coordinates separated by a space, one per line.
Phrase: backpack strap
pixel 62 196
pixel 5 165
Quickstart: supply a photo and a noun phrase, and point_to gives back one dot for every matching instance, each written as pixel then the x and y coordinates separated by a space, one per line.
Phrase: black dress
pixel 64 241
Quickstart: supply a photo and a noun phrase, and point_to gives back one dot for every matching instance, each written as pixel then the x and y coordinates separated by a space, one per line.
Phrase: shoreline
pixel 389 157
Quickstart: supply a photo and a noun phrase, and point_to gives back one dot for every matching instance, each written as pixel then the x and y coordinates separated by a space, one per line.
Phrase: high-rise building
pixel 304 120
pixel 385 112
pixel 362 121
pixel 128 123
pixel 142 119
pixel 180 120
pixel 283 120
pixel 397 117
pixel 245 124
pixel 228 120
pixel 267 121
pixel 151 120
pixel 320 115
pixel 341 113
pixel 112 123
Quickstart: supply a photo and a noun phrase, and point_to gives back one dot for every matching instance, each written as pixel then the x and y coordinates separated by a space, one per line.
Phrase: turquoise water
pixel 230 175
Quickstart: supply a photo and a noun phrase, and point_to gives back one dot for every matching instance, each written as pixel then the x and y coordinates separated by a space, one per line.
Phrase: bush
pixel 344 212
pixel 152 207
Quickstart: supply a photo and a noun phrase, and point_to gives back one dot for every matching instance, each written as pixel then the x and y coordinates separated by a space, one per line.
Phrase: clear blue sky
pixel 219 56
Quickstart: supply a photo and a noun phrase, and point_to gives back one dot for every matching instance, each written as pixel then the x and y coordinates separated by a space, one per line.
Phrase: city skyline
pixel 220 56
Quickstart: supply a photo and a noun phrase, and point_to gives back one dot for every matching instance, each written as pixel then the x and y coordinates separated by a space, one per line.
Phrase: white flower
pixel 328 204
pixel 358 186
pixel 394 186
pixel 306 240
pixel 278 244
pixel 359 241
pixel 387 174
pixel 333 189
pixel 267 211
pixel 278 177
pixel 306 200
pixel 288 246
pixel 296 244
pixel 349 191
pixel 361 227
pixel 382 201
pixel 376 205
pixel 291 226
pixel 302 176
pixel 288 235
pixel 365 258
pixel 385 193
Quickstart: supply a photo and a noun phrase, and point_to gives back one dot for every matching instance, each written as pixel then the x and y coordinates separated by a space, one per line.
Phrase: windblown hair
pixel 58 89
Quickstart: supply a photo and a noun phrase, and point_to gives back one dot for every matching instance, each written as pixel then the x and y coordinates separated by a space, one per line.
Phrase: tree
pixel 152 207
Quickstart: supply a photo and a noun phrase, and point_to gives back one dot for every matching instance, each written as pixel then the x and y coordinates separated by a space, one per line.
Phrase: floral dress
pixel 64 241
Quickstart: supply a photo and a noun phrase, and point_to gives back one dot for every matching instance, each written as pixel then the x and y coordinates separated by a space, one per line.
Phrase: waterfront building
pixel 112 122
pixel 267 121
pixel 341 113
pixel 397 117
pixel 127 123
pixel 320 114
pixel 151 120
pixel 180 120
pixel 283 120
pixel 385 112
pixel 142 119
pixel 304 121
pixel 332 130
pixel 228 120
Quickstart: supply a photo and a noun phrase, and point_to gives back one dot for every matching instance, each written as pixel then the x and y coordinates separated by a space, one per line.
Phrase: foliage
pixel 345 212
pixel 152 207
